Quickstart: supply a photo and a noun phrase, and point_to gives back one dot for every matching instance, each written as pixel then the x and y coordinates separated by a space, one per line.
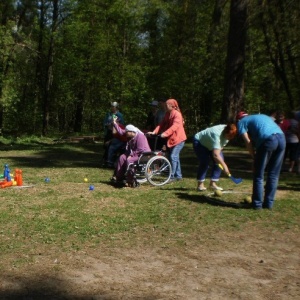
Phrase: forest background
pixel 63 61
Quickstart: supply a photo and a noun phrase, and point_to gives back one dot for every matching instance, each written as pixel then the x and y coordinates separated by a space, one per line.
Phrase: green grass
pixel 65 214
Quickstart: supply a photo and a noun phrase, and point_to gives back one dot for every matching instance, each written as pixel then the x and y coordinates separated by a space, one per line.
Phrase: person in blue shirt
pixel 265 142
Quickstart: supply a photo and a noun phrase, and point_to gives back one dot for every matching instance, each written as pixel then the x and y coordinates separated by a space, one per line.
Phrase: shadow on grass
pixel 58 156
pixel 203 199
pixel 53 288
pixel 290 186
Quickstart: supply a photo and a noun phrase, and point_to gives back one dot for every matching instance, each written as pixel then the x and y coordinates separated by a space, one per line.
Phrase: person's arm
pixel 120 118
pixel 157 128
pixel 219 160
pixel 119 130
pixel 248 144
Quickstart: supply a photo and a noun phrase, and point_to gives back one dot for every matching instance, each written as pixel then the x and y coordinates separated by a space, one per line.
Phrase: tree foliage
pixel 63 61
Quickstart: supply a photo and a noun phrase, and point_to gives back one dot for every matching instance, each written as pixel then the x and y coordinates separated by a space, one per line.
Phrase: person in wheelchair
pixel 137 144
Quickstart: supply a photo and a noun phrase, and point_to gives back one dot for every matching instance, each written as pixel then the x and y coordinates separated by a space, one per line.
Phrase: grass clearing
pixel 56 218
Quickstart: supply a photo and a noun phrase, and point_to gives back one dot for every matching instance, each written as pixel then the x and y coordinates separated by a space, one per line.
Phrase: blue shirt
pixel 259 127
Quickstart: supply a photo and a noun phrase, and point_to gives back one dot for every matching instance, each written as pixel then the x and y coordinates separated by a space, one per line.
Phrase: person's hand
pixel 162 135
pixel 115 120
pixel 150 133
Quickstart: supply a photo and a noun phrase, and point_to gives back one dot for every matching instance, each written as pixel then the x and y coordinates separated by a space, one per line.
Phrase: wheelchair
pixel 153 167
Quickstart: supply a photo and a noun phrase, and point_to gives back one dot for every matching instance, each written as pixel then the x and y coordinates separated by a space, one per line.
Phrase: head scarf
pixel 173 103
pixel 131 128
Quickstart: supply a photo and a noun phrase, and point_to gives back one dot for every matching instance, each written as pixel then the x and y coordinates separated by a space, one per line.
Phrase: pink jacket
pixel 172 127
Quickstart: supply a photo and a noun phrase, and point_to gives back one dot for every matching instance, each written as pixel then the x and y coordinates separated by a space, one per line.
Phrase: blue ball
pixel 47 179
pixel 91 188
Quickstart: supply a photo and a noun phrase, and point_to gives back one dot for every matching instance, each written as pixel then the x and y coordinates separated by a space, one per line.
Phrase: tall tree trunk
pixel 207 107
pixel 277 56
pixel 49 76
pixel 39 75
pixel 234 73
pixel 7 10
pixel 78 117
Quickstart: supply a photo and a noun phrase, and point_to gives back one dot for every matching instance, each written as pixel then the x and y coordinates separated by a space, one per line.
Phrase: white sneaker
pixel 201 189
pixel 215 187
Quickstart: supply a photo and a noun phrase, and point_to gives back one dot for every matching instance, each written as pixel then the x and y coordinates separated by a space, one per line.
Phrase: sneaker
pixel 201 189
pixel 215 187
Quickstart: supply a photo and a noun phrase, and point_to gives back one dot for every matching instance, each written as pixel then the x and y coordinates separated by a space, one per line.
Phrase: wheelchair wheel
pixel 140 174
pixel 158 170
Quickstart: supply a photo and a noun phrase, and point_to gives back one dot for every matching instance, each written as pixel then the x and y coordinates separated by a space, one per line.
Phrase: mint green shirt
pixel 212 137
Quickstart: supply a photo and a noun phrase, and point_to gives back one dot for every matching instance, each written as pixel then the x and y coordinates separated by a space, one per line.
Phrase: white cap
pixel 154 103
pixel 115 104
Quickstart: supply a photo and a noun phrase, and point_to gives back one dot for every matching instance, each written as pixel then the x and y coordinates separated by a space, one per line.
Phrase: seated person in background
pixel 110 134
pixel 114 147
pixel 137 144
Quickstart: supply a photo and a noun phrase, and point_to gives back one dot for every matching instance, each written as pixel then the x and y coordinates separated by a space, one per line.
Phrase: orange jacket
pixel 172 127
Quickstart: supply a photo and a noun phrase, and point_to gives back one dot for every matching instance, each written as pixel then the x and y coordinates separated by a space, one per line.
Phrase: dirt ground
pixel 252 265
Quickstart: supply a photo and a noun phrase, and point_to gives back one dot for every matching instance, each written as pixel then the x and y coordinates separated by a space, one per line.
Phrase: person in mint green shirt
pixel 208 145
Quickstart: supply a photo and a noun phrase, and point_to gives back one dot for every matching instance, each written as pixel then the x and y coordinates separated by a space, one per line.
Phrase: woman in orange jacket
pixel 172 129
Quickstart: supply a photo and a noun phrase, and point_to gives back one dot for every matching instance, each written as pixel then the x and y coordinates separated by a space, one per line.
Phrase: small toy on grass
pixel 248 199
pixel 47 179
pixel 8 180
pixel 91 188
pixel 85 179
pixel 218 193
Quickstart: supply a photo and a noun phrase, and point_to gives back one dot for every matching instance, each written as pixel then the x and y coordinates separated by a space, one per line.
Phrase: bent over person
pixel 136 145
pixel 208 144
pixel 265 142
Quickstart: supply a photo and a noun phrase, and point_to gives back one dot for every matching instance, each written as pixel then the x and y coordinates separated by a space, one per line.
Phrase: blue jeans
pixel 268 157
pixel 114 146
pixel 204 156
pixel 175 161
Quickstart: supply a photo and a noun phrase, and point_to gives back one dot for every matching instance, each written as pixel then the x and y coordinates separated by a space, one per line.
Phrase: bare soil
pixel 251 265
